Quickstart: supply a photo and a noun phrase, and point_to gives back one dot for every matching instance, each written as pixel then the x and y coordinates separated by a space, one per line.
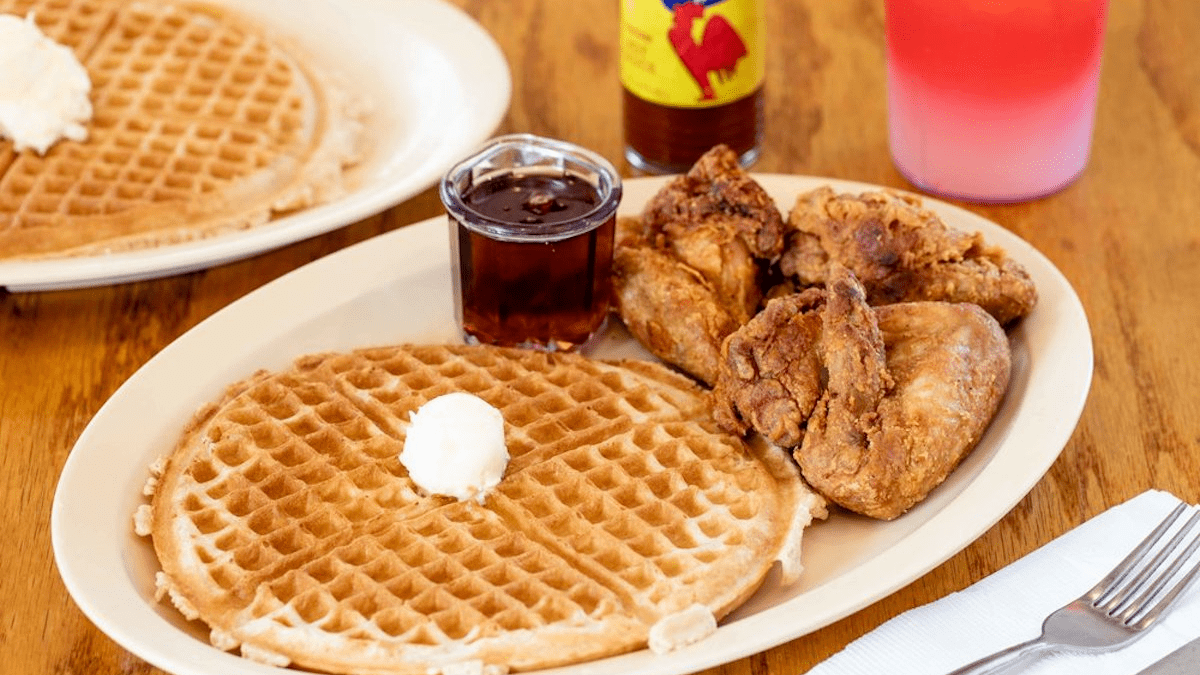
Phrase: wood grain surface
pixel 1126 235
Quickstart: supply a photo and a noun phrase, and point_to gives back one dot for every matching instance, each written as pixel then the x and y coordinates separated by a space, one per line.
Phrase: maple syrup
pixel 532 227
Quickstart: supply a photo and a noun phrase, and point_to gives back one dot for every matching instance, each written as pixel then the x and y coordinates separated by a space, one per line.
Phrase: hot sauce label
pixel 692 53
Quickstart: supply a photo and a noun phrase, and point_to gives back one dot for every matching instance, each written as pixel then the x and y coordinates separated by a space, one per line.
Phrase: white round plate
pixel 438 86
pixel 395 288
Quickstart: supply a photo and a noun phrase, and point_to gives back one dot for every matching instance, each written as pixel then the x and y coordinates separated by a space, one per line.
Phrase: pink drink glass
pixel 992 100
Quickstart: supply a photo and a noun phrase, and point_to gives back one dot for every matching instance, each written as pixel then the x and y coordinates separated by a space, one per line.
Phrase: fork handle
pixel 1004 659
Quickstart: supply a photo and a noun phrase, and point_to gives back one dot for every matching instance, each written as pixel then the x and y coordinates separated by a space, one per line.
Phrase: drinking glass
pixel 992 100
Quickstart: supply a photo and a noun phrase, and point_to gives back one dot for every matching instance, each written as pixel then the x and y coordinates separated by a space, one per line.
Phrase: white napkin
pixel 1008 607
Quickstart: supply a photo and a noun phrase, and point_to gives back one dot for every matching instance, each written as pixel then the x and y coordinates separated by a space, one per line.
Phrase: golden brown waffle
pixel 285 521
pixel 202 123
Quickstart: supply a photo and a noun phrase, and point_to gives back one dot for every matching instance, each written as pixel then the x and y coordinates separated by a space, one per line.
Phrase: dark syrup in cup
pixel 532 222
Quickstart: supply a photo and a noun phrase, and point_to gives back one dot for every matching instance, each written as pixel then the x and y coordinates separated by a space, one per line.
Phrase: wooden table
pixel 1126 235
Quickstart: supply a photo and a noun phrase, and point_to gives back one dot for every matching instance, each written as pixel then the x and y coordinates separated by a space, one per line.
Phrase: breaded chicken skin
pixel 905 391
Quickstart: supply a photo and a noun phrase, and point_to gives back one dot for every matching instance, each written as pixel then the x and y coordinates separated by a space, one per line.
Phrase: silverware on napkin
pixel 1124 603
pixel 1182 661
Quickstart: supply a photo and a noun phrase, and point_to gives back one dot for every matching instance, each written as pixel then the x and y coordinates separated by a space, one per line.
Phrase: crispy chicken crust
pixel 908 390
pixel 670 310
pixel 901 252
pixel 718 191
pixel 771 373
pixel 863 333
pixel 688 271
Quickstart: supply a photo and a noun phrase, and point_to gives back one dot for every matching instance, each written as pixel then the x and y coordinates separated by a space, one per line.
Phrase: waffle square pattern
pixel 202 123
pixel 285 521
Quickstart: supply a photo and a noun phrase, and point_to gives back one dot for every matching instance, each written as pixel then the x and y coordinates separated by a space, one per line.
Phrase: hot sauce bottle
pixel 692 73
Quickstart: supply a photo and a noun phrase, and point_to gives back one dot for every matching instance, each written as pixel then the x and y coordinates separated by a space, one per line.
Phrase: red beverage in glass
pixel 992 100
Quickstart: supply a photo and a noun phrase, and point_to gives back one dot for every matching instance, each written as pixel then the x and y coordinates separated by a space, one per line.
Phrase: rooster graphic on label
pixel 718 51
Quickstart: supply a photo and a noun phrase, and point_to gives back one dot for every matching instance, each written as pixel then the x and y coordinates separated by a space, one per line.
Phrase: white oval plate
pixel 438 86
pixel 396 287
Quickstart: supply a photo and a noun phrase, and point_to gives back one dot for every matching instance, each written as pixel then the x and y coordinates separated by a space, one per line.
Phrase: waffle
pixel 202 123
pixel 284 520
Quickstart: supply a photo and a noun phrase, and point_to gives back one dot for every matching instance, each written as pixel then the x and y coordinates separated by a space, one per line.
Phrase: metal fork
pixel 1126 602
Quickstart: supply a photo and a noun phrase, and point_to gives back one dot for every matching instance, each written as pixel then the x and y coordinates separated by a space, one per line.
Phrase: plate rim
pixel 744 636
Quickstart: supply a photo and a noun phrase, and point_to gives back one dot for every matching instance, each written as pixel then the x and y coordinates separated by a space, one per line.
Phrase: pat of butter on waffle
pixel 285 522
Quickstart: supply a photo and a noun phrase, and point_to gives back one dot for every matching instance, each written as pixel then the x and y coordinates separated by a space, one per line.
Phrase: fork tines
pixel 1153 574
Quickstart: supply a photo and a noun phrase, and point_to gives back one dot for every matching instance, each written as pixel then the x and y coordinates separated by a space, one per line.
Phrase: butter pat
pixel 43 88
pixel 684 627
pixel 455 447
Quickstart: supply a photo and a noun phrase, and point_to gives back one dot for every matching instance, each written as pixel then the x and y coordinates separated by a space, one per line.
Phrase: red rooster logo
pixel 717 52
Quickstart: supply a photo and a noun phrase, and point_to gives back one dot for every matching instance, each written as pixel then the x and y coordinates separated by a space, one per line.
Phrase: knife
pixel 1182 661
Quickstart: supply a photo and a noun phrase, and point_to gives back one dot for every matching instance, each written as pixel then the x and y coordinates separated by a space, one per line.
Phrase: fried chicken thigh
pixel 901 252
pixel 895 399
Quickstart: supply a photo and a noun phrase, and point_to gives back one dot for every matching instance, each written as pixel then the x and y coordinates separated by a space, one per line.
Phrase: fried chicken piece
pixel 908 390
pixel 718 190
pixel 719 221
pixel 630 232
pixel 688 272
pixel 771 372
pixel 726 265
pixel 901 252
pixel 670 309
pixel 912 387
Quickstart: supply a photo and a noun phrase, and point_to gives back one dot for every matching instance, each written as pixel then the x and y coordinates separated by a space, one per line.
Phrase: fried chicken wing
pixel 906 390
pixel 901 252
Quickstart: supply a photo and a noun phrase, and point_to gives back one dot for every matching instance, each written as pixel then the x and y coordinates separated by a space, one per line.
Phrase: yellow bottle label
pixel 692 53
